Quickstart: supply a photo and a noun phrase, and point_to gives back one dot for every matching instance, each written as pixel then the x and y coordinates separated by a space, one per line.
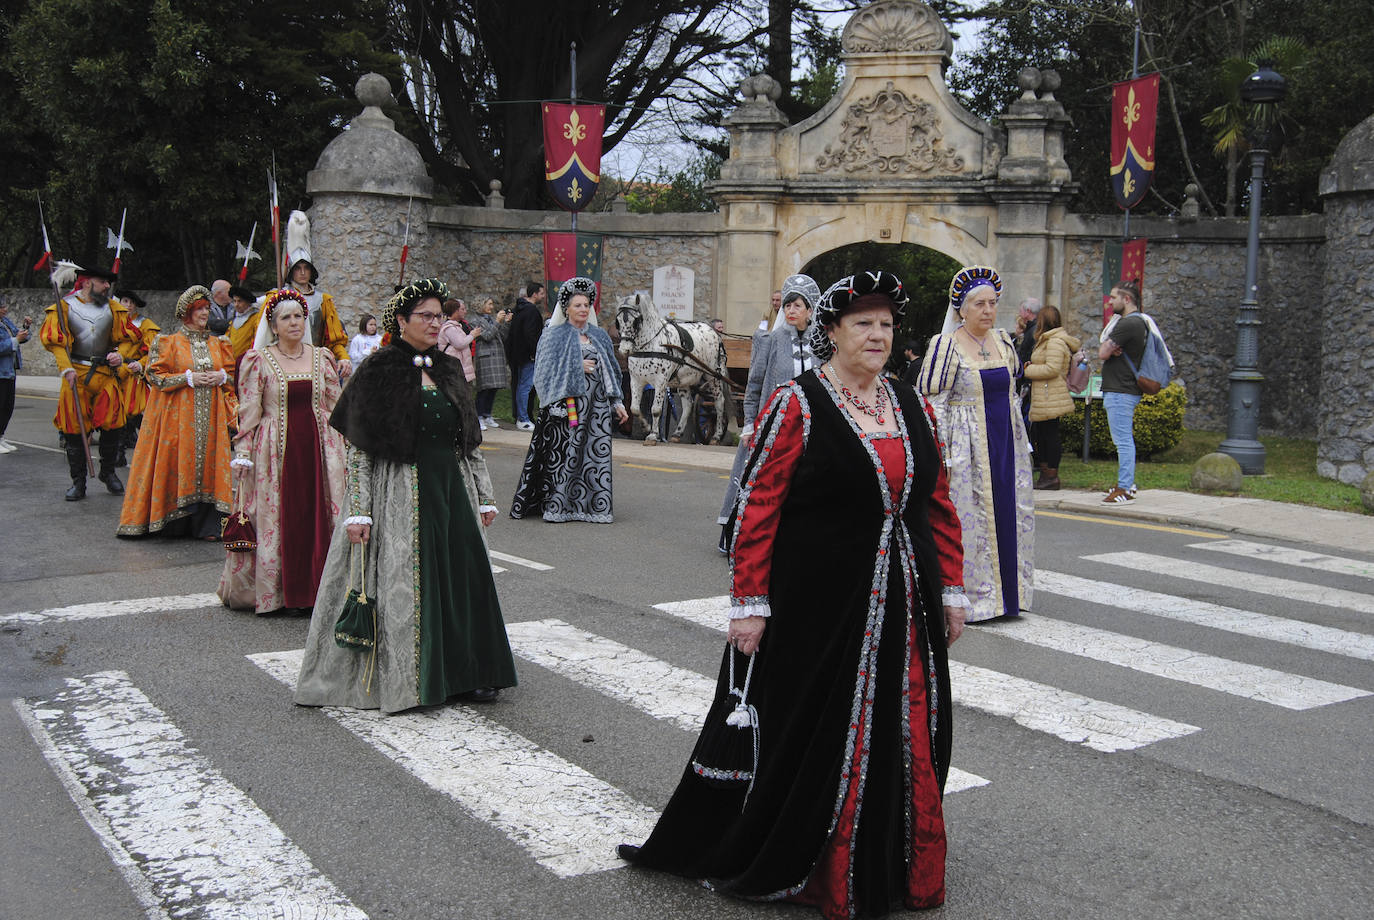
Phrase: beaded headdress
pixel 409 296
pixel 571 288
pixel 192 295
pixel 804 285
pixel 275 299
pixel 966 279
pixel 841 295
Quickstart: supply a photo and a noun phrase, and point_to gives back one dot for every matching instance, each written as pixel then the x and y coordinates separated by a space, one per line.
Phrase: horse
pixel 668 355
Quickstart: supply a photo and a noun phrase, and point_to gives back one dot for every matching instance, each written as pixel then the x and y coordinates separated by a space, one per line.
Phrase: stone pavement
pixel 1251 517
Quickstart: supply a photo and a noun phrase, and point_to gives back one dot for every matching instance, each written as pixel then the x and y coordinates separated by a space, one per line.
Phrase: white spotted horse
pixel 667 354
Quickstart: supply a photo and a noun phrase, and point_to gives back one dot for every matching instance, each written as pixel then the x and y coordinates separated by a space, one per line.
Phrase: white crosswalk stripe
pixel 190 843
pixel 1244 581
pixel 111 609
pixel 1092 723
pixel 1243 622
pixel 1338 565
pixel 1264 685
pixel 558 812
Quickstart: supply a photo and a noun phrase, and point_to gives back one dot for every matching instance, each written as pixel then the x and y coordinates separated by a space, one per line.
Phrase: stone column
pixel 748 190
pixel 1031 181
pixel 362 186
pixel 1345 419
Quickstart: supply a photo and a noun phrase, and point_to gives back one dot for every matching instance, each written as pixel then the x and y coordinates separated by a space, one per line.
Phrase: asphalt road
pixel 1201 751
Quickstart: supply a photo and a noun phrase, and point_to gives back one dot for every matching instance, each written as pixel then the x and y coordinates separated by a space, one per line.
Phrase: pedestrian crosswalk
pixel 160 807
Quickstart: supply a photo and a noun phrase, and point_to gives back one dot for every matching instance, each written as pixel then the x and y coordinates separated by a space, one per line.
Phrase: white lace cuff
pixel 188 379
pixel 358 519
pixel 954 597
pixel 241 463
pixel 747 431
pixel 483 509
pixel 742 607
pixel 223 376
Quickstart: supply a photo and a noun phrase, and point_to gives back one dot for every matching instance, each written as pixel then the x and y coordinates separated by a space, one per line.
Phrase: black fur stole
pixel 379 410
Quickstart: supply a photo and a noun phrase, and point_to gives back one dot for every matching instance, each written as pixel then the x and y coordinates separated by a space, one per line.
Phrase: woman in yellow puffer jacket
pixel 1049 393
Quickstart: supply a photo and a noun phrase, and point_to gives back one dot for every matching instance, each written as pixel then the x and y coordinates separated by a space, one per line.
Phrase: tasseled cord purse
pixel 727 753
pixel 356 628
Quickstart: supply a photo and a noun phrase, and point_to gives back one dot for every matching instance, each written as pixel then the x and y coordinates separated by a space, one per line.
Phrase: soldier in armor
pixel 86 332
pixel 325 329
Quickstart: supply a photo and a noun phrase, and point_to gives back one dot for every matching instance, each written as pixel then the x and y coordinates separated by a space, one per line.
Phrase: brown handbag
pixel 237 532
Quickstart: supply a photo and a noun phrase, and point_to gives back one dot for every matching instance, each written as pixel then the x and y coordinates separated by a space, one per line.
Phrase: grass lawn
pixel 1290 472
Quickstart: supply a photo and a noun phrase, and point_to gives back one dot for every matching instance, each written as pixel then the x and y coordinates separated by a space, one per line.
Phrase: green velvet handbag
pixel 357 624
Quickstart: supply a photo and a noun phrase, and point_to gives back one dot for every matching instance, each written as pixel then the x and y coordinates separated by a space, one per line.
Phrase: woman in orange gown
pixel 179 484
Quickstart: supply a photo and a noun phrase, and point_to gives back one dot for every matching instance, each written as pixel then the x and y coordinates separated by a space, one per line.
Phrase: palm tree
pixel 1230 120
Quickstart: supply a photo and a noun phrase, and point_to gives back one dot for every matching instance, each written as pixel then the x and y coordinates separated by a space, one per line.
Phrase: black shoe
pixel 77 491
pixel 480 695
pixel 627 851
pixel 112 483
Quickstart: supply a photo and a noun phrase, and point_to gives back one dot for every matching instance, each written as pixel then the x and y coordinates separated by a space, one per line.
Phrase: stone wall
pixel 1345 433
pixel 1194 281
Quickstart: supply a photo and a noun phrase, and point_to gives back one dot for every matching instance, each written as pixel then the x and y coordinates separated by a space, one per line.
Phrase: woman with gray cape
pixel 417 497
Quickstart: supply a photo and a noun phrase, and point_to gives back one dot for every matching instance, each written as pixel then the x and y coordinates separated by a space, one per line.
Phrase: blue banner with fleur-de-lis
pixel 572 152
pixel 1133 138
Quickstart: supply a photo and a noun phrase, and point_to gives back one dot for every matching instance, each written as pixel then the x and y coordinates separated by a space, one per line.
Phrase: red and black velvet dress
pixel 847 540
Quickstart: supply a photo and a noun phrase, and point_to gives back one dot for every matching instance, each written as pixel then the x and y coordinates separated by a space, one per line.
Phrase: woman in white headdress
pixel 777 357
pixel 969 375
pixel 567 472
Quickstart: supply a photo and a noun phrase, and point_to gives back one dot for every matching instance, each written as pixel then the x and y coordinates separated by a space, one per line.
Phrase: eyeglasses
pixel 432 319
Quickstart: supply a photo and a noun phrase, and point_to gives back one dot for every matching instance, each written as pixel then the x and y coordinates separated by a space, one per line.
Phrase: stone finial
pixel 374 92
pixel 1189 208
pixel 620 204
pixel 760 88
pixel 1029 79
pixel 494 198
pixel 1049 82
pixel 896 26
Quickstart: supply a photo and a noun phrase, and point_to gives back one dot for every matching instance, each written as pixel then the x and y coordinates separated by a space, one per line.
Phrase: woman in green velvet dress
pixel 418 496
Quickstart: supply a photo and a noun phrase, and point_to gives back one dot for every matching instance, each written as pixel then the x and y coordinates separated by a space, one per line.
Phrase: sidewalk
pixel 1248 517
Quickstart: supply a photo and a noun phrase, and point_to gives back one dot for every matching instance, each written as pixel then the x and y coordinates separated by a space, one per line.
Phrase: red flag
pixel 1133 138
pixel 572 152
pixel 560 256
pixel 1133 262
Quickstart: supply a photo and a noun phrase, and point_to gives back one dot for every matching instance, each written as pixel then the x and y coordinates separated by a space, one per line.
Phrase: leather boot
pixel 76 464
pixel 1049 478
pixel 109 451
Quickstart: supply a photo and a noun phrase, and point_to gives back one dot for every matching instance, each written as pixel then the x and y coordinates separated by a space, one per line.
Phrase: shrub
pixel 1158 424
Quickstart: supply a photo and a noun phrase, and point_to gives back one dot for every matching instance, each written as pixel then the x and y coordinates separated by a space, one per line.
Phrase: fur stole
pixel 558 370
pixel 379 410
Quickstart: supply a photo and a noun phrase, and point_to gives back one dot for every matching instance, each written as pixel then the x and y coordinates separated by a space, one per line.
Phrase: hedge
pixel 1158 424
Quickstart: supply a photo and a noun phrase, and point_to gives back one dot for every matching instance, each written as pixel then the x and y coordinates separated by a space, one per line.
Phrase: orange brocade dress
pixel 181 466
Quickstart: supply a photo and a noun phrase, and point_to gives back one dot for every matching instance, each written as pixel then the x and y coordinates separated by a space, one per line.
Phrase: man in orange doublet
pixel 87 334
pixel 179 483
pixel 135 389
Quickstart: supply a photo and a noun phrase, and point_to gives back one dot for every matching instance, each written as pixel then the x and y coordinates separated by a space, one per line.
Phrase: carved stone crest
pixel 891 133
pixel 895 26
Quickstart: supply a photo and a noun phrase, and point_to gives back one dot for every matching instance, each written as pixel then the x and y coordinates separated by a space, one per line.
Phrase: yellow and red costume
pixel 181 468
pixel 99 386
pixel 136 385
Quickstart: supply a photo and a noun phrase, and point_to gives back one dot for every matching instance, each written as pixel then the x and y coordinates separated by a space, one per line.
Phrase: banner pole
pixel 572 83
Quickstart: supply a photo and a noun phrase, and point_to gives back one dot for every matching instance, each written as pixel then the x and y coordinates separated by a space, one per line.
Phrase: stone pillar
pixel 748 190
pixel 362 187
pixel 1031 182
pixel 1345 421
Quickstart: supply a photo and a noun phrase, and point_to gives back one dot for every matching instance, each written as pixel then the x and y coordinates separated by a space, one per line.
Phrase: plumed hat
pixel 190 297
pixel 298 244
pixel 407 297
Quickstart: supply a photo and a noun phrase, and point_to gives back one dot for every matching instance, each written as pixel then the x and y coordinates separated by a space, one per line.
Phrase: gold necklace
pixel 296 357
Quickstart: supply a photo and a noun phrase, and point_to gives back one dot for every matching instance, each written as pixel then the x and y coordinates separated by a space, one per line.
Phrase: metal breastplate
pixel 314 300
pixel 91 326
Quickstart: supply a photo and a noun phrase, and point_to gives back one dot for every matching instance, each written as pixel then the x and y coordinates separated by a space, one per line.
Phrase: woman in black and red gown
pixel 846 583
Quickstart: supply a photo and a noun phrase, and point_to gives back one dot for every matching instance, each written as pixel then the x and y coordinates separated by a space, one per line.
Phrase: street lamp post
pixel 1264 86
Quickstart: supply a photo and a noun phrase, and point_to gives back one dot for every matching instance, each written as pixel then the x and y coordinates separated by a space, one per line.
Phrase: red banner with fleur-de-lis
pixel 1134 104
pixel 572 152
